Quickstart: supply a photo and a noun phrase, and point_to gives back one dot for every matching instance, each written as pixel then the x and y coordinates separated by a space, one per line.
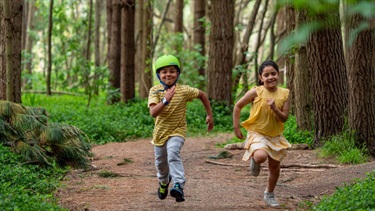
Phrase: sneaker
pixel 270 199
pixel 163 190
pixel 254 167
pixel 178 193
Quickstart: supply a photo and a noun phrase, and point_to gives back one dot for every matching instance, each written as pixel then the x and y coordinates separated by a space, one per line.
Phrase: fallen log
pixel 310 166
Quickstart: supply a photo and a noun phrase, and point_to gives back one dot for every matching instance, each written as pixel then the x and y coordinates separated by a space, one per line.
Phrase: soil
pixel 209 186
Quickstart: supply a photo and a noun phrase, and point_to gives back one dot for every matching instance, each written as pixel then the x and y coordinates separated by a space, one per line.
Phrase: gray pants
pixel 168 161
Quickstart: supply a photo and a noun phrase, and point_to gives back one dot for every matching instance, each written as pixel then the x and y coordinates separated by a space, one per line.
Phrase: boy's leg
pixel 161 163
pixel 176 167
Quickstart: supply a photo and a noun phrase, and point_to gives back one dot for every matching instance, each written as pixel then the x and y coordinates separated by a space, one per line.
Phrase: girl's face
pixel 168 75
pixel 269 77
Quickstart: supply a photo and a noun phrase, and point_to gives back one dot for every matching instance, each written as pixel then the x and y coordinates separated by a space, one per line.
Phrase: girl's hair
pixel 265 64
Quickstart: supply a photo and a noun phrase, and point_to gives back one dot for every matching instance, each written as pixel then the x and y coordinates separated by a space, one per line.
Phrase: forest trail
pixel 208 186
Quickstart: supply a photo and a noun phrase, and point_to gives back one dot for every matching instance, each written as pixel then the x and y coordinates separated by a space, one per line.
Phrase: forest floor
pixel 226 185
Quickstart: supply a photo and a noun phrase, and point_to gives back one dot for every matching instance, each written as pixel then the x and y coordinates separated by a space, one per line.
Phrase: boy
pixel 167 104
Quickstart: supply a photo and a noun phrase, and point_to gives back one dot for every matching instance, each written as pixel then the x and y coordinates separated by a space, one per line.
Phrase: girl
pixel 268 112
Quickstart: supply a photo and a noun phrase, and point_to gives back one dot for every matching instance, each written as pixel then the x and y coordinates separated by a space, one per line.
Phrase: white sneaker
pixel 270 199
pixel 254 167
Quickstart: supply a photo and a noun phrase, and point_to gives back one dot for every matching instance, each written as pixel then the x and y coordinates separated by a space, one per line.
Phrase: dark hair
pixel 265 64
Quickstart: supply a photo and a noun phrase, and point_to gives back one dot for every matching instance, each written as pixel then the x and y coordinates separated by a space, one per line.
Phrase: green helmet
pixel 166 60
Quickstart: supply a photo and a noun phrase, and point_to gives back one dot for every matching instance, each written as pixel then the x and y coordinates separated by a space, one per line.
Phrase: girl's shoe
pixel 254 167
pixel 178 193
pixel 270 199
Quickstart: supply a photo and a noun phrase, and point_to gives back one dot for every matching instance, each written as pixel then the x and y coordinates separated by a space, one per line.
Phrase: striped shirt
pixel 172 120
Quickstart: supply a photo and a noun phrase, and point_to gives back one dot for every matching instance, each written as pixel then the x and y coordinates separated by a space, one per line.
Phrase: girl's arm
pixel 246 99
pixel 282 114
pixel 209 119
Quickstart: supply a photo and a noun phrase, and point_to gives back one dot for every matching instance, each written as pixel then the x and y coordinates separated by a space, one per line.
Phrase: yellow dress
pixel 264 129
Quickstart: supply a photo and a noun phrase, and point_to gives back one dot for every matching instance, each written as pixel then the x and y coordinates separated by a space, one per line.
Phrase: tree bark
pixel 302 82
pixel 220 62
pixel 8 51
pixel 289 57
pixel 114 62
pixel 329 78
pixel 29 44
pixel 48 80
pixel 199 29
pixel 146 72
pixel 179 24
pixel 138 42
pixel 127 51
pixel 361 67
pixel 97 49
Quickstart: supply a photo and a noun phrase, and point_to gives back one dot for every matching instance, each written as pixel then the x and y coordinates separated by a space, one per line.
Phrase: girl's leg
pixel 176 168
pixel 260 156
pixel 161 163
pixel 274 168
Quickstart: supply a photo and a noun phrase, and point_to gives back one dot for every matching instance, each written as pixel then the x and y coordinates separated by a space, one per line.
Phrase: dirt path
pixel 208 187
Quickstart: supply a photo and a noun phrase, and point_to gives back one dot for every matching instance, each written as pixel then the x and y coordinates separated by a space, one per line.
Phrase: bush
pixel 359 195
pixel 27 187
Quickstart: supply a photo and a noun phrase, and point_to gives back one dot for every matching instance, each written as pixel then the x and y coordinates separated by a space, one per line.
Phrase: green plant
pixel 343 148
pixel 358 195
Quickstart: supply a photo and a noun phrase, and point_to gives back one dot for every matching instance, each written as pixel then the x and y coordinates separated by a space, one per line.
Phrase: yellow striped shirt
pixel 172 120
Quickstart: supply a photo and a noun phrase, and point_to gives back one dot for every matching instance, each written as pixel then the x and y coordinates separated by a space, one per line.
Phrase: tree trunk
pixel 361 67
pixel 302 82
pixel 48 81
pixel 220 62
pixel 138 42
pixel 8 50
pixel 127 51
pixel 97 49
pixel 289 57
pixel 3 86
pixel 179 24
pixel 114 62
pixel 29 44
pixel 329 78
pixel 199 29
pixel 244 46
pixel 109 27
pixel 146 72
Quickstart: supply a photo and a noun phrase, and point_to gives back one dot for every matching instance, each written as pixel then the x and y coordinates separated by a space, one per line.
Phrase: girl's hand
pixel 210 123
pixel 271 103
pixel 238 133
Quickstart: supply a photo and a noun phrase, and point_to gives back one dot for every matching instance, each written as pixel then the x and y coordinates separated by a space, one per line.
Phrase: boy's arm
pixel 281 115
pixel 209 119
pixel 156 109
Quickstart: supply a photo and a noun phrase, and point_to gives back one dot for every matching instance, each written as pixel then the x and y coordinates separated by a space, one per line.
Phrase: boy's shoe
pixel 163 190
pixel 178 193
pixel 270 199
pixel 254 167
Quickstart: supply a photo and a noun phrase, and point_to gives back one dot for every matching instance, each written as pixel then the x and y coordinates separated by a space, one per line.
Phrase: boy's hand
pixel 271 103
pixel 210 123
pixel 169 93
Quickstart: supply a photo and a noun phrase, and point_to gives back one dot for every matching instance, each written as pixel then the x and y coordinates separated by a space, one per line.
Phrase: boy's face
pixel 168 75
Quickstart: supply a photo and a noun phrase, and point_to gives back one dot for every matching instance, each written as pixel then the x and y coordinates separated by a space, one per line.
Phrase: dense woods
pixel 325 49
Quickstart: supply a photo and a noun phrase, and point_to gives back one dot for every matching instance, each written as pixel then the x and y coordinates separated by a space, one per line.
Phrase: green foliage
pixel 343 148
pixel 27 131
pixel 295 136
pixel 27 187
pixel 358 195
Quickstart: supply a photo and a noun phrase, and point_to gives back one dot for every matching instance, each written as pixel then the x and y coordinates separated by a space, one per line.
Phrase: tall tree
pixel 138 42
pixel 199 30
pixel 127 51
pixel 10 50
pixel 289 57
pixel 179 21
pixel 329 78
pixel 49 38
pixel 220 62
pixel 114 62
pixel 361 71
pixel 97 49
pixel 302 76
pixel 29 39
pixel 244 45
pixel 146 72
